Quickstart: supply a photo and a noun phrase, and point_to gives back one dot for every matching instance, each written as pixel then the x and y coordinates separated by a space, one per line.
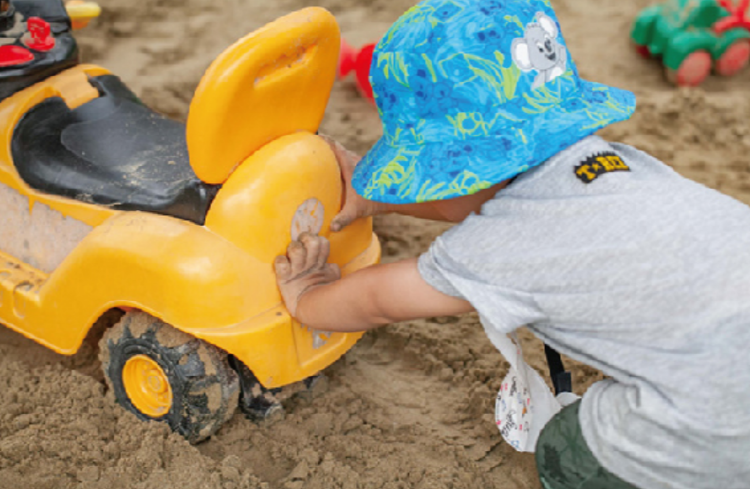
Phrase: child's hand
pixel 355 206
pixel 304 268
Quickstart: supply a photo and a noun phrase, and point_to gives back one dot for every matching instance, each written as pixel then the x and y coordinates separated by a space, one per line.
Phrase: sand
pixel 411 405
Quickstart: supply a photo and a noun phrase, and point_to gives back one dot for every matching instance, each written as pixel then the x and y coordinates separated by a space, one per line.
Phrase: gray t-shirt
pixel 614 259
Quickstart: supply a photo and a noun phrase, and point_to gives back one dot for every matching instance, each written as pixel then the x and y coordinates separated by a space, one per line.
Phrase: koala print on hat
pixel 539 50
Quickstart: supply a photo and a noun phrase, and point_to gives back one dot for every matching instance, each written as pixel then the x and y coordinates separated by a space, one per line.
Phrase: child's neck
pixel 458 209
pixel 451 210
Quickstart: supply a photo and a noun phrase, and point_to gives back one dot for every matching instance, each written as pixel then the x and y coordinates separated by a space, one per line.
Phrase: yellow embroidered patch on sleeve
pixel 597 165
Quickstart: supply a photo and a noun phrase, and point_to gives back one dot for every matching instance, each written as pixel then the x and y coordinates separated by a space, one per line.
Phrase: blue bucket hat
pixel 472 93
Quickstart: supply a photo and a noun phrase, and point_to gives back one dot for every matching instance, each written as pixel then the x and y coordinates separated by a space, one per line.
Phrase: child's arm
pixel 373 297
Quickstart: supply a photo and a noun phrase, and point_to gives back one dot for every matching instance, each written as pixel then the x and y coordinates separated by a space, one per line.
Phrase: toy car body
pixel 102 209
pixel 693 36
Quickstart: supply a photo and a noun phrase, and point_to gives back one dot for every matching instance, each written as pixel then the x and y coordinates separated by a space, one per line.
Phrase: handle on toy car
pixel 81 13
pixel 272 83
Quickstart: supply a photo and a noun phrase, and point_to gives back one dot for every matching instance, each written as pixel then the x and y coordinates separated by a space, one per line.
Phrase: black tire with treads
pixel 205 389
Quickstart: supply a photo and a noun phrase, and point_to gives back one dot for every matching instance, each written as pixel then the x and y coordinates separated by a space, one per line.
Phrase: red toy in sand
pixel 359 62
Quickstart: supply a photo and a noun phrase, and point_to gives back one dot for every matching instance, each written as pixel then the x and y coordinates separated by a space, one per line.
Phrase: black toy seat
pixel 112 151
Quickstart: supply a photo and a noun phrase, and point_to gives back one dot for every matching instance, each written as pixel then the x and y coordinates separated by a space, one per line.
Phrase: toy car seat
pixel 112 151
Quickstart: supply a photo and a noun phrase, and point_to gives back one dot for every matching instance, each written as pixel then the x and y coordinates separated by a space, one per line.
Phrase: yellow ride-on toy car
pixel 106 205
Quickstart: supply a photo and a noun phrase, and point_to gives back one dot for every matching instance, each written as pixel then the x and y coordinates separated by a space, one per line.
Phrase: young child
pixel 607 254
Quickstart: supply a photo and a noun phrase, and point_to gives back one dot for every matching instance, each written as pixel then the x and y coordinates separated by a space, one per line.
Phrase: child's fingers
pixel 338 224
pixel 283 268
pixel 347 215
pixel 312 248
pixel 347 159
pixel 336 147
pixel 334 270
pixel 325 251
pixel 297 257
pixel 328 139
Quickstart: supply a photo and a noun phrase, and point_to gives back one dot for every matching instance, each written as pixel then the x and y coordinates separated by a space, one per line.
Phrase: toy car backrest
pixel 274 82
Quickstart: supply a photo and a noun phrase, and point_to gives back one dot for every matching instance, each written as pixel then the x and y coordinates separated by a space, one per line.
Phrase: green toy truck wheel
pixel 694 37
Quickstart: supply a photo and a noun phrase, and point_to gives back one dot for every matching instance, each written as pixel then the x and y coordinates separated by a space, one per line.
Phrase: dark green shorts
pixel 564 460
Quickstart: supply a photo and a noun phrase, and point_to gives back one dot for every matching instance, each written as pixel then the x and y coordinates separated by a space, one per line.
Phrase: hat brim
pixel 407 174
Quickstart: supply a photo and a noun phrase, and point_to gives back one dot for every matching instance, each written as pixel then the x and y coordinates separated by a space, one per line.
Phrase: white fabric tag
pixel 524 404
pixel 513 410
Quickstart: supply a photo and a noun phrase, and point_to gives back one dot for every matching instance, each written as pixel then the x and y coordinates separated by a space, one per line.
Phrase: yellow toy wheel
pixel 160 373
pixel 147 386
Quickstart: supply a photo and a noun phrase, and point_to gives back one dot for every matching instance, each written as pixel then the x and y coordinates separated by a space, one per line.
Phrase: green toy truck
pixel 694 37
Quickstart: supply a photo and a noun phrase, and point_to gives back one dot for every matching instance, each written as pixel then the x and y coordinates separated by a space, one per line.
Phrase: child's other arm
pixel 314 293
pixel 355 206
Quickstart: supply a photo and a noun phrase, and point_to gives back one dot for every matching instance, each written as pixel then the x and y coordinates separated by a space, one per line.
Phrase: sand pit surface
pixel 411 405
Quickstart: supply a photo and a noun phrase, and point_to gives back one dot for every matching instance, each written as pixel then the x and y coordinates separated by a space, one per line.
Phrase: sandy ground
pixel 411 405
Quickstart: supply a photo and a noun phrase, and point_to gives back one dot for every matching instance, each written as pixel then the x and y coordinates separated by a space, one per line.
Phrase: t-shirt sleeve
pixel 453 272
pixel 432 274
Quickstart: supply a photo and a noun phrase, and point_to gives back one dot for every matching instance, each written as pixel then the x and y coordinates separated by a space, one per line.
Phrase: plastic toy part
pixel 42 28
pixel 259 403
pixel 692 37
pixel 734 59
pixel 737 19
pixel 14 56
pixel 347 60
pixel 112 151
pixel 39 37
pixel 159 373
pixel 643 51
pixel 147 386
pixel 171 268
pixel 53 11
pixel 74 88
pixel 359 62
pixel 102 216
pixel 274 82
pixel 693 71
pixel 8 18
pixel 81 13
